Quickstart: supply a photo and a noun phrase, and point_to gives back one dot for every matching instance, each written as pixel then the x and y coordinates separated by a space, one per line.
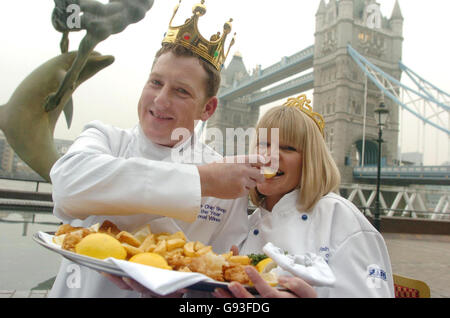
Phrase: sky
pixel 266 31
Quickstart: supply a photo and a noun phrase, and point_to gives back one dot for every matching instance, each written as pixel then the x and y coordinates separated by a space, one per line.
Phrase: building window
pixel 363 37
pixel 236 119
pixel 329 139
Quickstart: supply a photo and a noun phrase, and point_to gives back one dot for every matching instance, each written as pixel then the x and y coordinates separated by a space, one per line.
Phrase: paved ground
pixel 23 294
pixel 422 257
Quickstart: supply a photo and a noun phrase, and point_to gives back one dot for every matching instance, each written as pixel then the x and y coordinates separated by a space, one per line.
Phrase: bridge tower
pixel 340 90
pixel 236 114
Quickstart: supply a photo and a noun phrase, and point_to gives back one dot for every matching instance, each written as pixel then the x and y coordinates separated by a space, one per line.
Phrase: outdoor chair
pixel 410 288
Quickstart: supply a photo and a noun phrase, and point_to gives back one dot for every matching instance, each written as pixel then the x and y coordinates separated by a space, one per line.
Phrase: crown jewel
pixel 304 104
pixel 188 36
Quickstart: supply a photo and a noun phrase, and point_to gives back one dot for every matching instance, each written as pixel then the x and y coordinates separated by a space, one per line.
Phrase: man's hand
pixel 232 178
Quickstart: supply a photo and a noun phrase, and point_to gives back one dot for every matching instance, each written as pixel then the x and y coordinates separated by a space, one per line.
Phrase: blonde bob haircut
pixel 320 174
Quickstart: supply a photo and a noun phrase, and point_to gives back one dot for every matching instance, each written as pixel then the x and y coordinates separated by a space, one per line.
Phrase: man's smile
pixel 160 116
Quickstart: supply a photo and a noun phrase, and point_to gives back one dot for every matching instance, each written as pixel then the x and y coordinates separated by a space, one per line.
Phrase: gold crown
pixel 304 104
pixel 188 36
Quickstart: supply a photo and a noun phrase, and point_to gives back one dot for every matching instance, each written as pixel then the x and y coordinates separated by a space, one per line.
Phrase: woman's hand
pixel 297 287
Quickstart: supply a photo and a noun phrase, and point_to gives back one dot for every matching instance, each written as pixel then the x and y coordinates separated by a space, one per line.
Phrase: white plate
pixel 44 239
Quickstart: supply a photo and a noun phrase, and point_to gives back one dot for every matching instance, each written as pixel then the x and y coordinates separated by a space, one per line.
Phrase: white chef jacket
pixel 335 230
pixel 121 176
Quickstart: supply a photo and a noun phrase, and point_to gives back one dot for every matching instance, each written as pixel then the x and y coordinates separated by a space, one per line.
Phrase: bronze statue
pixel 28 119
pixel 100 21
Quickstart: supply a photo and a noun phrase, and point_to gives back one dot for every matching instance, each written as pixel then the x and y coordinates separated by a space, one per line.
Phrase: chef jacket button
pixel 304 217
pixel 256 232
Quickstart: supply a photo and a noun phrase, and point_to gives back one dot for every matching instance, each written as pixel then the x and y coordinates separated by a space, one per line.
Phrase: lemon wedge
pixel 101 245
pixel 266 265
pixel 264 268
pixel 271 278
pixel 269 173
pixel 150 259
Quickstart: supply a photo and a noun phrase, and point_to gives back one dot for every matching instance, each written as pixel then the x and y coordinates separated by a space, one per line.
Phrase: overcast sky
pixel 266 31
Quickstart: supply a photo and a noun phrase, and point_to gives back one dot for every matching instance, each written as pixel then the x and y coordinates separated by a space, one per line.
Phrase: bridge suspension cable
pixel 390 87
pixel 429 104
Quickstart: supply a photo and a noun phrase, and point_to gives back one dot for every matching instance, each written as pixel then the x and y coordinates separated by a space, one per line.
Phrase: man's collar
pixel 148 146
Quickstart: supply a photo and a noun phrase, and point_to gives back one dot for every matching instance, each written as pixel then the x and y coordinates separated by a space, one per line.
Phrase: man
pixel 136 177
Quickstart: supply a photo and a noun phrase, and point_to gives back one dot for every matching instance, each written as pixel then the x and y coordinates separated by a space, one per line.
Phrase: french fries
pixel 180 254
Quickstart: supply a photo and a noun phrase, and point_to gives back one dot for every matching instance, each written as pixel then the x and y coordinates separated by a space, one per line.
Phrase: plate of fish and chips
pixel 163 262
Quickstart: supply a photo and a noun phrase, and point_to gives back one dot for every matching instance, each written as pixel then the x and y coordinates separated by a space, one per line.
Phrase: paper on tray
pixel 160 281
pixel 310 267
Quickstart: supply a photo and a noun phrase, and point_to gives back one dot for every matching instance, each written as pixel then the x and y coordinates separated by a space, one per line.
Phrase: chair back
pixel 410 288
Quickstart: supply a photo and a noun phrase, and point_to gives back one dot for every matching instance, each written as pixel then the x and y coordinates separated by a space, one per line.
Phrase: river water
pixel 24 264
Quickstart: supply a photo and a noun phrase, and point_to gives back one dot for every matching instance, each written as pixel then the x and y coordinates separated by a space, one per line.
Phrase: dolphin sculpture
pixel 27 126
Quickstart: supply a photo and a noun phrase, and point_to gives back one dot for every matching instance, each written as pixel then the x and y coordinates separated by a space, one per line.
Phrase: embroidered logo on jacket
pixel 375 274
pixel 324 251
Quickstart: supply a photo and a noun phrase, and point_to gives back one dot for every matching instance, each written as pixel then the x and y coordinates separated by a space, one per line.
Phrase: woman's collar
pixel 286 203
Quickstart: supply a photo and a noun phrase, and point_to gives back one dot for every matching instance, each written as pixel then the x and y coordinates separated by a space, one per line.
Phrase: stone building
pixel 235 116
pixel 340 85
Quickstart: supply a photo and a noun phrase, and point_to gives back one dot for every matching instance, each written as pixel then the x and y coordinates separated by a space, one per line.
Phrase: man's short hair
pixel 213 81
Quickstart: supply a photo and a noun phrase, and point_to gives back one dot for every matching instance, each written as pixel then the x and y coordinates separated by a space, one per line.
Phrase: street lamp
pixel 381 116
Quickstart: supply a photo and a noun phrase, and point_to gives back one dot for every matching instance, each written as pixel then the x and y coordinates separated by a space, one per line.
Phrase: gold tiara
pixel 304 104
pixel 189 36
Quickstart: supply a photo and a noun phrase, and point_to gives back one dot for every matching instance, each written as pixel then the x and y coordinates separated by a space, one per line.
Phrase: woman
pixel 299 213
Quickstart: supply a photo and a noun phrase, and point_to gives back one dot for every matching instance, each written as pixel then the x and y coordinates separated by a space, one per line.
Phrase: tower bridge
pixel 355 61
pixel 287 67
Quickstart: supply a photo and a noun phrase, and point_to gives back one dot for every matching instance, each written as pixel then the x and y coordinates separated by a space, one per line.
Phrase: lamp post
pixel 381 116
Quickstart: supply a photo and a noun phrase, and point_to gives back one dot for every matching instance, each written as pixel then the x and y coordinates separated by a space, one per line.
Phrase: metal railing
pixel 406 172
pixel 38 180
pixel 413 202
pixel 25 200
